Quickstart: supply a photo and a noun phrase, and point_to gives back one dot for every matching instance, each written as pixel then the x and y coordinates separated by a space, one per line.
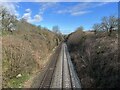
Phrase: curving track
pixel 60 73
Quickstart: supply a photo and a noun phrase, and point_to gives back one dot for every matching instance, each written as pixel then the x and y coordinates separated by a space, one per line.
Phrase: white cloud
pixel 27 14
pixel 59 1
pixel 79 13
pixel 28 10
pixel 28 18
pixel 81 8
pixel 44 6
pixel 37 18
pixel 62 11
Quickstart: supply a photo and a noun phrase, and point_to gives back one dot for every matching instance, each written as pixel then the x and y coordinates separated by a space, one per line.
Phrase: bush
pixel 96 59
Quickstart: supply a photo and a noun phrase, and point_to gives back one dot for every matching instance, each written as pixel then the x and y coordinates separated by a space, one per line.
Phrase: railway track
pixel 60 73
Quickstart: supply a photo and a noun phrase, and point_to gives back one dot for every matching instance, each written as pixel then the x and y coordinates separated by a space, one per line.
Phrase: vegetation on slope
pixel 25 50
pixel 95 57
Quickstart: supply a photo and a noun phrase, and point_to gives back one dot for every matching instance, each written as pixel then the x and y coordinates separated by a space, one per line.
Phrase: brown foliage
pixel 26 50
pixel 95 58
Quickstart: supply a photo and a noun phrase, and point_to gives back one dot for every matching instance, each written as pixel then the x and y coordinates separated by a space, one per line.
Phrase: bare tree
pixel 56 30
pixel 80 28
pixel 113 22
pixel 109 24
pixel 7 20
pixel 39 26
pixel 96 27
pixel 23 20
pixel 105 24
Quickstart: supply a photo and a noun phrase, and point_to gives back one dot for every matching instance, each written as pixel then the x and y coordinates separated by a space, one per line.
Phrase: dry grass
pixel 25 52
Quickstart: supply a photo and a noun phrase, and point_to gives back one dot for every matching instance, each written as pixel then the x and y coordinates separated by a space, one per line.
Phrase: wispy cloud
pixel 44 6
pixel 28 10
pixel 80 8
pixel 79 13
pixel 59 1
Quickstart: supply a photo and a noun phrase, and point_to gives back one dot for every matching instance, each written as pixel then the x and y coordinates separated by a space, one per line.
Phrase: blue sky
pixel 67 15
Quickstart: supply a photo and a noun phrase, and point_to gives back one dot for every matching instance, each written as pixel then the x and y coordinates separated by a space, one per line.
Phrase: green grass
pixel 5 65
pixel 4 32
pixel 18 82
pixel 0 33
